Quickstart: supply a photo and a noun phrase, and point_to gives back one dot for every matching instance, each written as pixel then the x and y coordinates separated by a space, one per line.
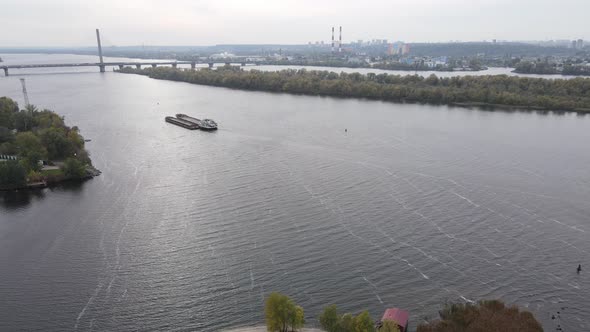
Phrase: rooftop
pixel 397 315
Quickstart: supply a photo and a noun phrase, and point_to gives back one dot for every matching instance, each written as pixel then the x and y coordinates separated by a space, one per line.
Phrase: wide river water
pixel 184 230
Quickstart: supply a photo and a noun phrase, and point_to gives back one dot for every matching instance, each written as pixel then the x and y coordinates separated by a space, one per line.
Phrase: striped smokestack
pixel 340 41
pixel 332 39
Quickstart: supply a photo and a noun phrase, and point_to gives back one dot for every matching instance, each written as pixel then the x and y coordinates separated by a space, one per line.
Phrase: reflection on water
pixel 17 199
pixel 12 200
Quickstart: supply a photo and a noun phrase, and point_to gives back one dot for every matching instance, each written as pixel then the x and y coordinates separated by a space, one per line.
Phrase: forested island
pixel 500 90
pixel 38 149
pixel 546 68
pixel 386 65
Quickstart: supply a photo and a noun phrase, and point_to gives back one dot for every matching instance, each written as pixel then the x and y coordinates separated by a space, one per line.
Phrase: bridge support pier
pixel 102 68
pixel 5 71
pixel 121 67
pixel 228 64
pixel 154 65
pixel 243 64
pixel 138 66
pixel 193 65
pixel 174 65
pixel 210 64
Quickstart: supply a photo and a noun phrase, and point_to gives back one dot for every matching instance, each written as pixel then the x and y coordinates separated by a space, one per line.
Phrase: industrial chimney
pixel 340 41
pixel 332 39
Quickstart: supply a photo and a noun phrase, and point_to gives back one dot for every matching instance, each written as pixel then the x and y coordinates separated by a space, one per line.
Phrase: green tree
pixel 363 322
pixel 57 143
pixel 12 174
pixel 298 318
pixel 8 148
pixel 74 169
pixel 329 319
pixel 6 135
pixel 30 160
pixel 28 143
pixel 389 326
pixel 7 110
pixel 47 119
pixel 23 120
pixel 347 323
pixel 281 313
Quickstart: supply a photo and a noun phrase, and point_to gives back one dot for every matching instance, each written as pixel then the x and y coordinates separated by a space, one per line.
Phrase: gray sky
pixel 207 22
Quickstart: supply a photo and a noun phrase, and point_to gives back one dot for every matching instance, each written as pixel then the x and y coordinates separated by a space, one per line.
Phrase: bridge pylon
pixel 101 66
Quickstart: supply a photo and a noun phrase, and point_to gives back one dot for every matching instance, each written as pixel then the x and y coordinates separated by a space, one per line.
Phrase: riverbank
pixel 396 66
pixel 515 107
pixel 51 179
pixel 551 73
pixel 477 91
pixel 38 149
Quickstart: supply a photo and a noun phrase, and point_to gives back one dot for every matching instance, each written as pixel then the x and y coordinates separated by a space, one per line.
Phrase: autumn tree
pixel 489 316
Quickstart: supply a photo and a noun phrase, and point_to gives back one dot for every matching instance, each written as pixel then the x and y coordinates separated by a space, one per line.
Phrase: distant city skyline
pixel 71 23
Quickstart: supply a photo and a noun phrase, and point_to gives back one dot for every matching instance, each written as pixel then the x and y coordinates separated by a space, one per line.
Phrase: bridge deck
pixel 94 64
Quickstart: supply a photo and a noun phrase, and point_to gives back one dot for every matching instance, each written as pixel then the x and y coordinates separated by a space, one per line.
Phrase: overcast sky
pixel 208 22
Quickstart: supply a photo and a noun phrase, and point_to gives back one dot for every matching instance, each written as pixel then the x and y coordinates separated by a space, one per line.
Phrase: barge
pixel 190 119
pixel 182 123
pixel 205 124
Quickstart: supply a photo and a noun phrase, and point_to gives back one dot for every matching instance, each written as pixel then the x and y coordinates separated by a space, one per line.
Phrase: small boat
pixel 208 124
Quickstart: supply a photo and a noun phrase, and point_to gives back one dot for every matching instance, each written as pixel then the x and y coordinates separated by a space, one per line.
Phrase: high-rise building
pixel 574 44
pixel 406 49
pixel 580 44
pixel 390 50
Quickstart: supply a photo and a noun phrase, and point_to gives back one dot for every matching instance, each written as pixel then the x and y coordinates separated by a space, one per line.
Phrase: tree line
pixel 391 63
pixel 283 315
pixel 546 68
pixel 35 136
pixel 536 93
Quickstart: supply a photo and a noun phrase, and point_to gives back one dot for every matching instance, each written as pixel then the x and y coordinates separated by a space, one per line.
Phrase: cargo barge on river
pixel 205 124
pixel 182 123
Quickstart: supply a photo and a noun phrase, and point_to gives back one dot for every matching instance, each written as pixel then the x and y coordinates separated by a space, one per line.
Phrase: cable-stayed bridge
pixel 103 65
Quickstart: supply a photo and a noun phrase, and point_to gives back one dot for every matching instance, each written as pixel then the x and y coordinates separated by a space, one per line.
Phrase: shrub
pixel 74 169
pixel 12 174
pixel 492 316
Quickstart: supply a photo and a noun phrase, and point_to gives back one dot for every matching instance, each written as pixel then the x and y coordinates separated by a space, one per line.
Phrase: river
pixel 185 230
